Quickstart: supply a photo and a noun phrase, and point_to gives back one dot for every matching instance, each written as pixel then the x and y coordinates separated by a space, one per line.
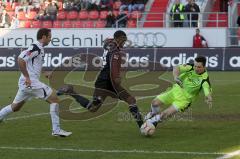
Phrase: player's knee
pixel 16 107
pixel 53 99
pixel 131 100
pixel 156 102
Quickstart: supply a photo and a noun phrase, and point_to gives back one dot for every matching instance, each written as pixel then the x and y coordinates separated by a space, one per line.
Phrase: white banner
pixel 157 37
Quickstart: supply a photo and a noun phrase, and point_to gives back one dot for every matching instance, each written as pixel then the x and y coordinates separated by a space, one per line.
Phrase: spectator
pixel 94 5
pixel 223 5
pixel 77 5
pixel 35 4
pixel 68 5
pixel 15 22
pixel 106 4
pixel 126 4
pixel 52 10
pixel 4 19
pixel 238 21
pixel 24 6
pixel 110 20
pixel 177 14
pixel 199 41
pixel 193 9
pixel 121 20
pixel 138 5
pixel 42 15
pixel 86 4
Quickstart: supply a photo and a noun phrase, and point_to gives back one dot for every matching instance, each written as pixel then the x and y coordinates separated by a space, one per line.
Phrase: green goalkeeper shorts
pixel 175 96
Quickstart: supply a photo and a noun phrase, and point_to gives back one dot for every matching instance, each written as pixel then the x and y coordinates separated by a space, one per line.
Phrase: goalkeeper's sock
pixel 84 102
pixel 155 109
pixel 136 114
pixel 5 111
pixel 155 119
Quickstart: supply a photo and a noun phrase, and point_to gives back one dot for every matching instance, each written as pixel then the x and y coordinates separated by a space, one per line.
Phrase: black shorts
pixel 104 88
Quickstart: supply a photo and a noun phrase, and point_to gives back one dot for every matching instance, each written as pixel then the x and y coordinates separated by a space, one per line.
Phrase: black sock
pixel 155 124
pixel 81 100
pixel 136 114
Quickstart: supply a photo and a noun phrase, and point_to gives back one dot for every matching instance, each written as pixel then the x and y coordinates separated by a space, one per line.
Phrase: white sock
pixel 5 111
pixel 54 112
pixel 155 118
pixel 155 109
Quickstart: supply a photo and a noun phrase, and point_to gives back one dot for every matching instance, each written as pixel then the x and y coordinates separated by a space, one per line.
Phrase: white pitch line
pixel 42 114
pixel 230 155
pixel 111 151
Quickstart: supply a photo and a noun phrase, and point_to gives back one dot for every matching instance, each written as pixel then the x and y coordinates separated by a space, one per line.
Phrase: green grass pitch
pixel 199 133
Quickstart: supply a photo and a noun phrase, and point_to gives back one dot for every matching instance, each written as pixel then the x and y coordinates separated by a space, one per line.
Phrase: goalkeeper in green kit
pixel 190 81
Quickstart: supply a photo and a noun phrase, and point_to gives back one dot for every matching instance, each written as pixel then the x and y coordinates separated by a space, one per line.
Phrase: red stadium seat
pixel 83 15
pixel 103 14
pixel 57 24
pixel 131 24
pixel 32 15
pixel 47 24
pixel 93 15
pixel 72 15
pixel 21 16
pixel 89 24
pixel 135 15
pixel 67 24
pixel 78 24
pixel 36 24
pixel 61 15
pixel 100 24
pixel 117 5
pixel 27 24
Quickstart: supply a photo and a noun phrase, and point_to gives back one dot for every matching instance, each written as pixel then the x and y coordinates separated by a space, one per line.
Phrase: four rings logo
pixel 150 39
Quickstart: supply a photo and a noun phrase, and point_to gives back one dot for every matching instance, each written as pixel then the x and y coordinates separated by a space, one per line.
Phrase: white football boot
pixel 61 133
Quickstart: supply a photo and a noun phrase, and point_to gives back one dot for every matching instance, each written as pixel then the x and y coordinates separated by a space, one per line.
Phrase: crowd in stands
pixel 27 13
pixel 179 10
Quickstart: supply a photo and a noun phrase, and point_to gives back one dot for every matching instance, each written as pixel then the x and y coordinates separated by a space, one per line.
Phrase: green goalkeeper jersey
pixel 193 83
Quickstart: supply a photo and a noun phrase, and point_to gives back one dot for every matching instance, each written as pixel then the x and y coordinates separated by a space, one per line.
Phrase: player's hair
pixel 41 32
pixel 119 33
pixel 201 59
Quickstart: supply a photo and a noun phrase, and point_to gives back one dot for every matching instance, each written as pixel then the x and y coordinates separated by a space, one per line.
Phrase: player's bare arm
pixel 208 100
pixel 176 73
pixel 23 69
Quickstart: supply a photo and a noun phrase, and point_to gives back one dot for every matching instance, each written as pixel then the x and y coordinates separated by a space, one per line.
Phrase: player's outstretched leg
pixel 68 90
pixel 5 111
pixel 133 108
pixel 54 112
pixel 155 110
pixel 163 115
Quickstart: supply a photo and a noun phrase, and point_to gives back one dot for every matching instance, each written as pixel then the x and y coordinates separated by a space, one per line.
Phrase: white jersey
pixel 34 58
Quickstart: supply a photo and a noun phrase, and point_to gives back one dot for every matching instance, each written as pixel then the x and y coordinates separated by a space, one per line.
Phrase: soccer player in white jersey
pixel 30 63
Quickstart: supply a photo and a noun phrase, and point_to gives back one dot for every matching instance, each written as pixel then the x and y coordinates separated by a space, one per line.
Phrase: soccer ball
pixel 147 129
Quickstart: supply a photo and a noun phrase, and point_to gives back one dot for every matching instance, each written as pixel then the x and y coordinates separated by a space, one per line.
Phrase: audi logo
pixel 150 39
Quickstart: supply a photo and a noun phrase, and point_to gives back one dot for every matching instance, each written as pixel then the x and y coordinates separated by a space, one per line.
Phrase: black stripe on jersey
pixel 44 93
pixel 35 48
pixel 190 64
pixel 205 80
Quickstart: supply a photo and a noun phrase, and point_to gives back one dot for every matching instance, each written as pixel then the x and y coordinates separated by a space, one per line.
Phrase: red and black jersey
pixel 112 58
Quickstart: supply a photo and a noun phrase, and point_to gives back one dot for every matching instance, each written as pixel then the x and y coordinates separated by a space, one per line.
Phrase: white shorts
pixel 25 94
